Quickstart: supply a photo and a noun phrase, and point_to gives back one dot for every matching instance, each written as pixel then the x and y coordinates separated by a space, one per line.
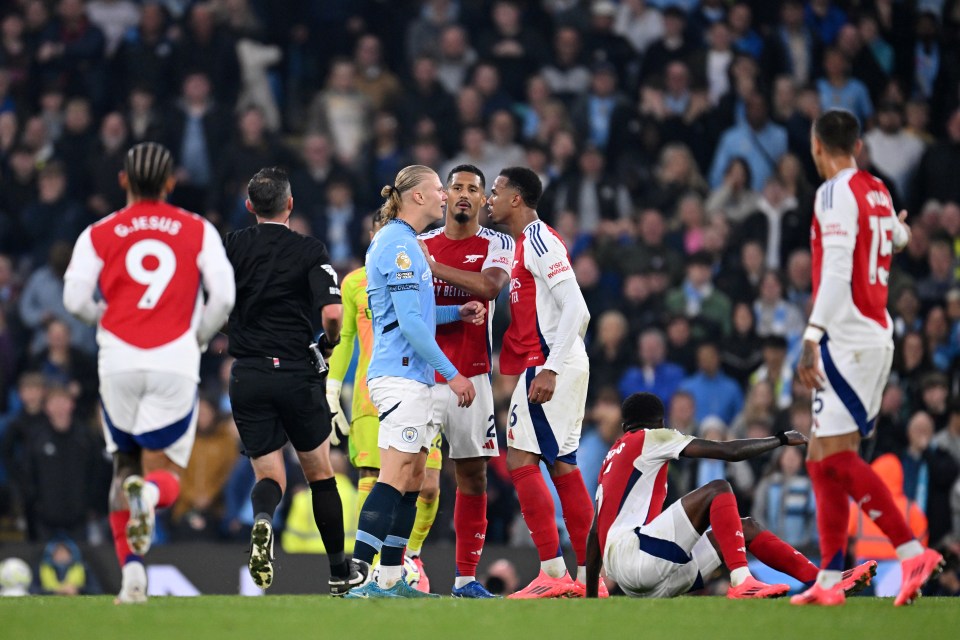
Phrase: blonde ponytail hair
pixel 407 178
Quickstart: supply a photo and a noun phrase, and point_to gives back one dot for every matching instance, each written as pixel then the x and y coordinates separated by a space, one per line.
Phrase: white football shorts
pixel 550 430
pixel 406 414
pixel 662 559
pixel 854 379
pixel 470 431
pixel 153 410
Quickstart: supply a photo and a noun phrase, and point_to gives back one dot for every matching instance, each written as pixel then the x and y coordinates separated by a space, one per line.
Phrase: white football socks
pixel 582 574
pixel 909 550
pixel 829 579
pixel 389 576
pixel 462 581
pixel 737 576
pixel 554 567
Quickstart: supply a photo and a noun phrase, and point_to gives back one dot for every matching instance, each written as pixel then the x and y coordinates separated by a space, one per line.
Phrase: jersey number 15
pixel 881 245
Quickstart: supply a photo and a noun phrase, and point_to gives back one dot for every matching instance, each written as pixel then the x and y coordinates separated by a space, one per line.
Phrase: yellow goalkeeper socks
pixel 426 514
pixel 363 490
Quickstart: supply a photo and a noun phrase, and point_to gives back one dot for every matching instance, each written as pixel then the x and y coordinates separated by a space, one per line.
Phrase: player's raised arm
pixel 737 450
pixel 487 284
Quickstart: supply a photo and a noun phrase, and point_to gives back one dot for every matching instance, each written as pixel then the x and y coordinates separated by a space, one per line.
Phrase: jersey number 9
pixel 152 263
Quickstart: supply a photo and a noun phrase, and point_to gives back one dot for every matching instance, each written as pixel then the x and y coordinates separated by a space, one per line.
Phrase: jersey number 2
pixel 161 264
pixel 880 246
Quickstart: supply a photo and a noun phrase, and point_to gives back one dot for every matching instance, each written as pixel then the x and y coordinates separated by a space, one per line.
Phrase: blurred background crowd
pixel 672 137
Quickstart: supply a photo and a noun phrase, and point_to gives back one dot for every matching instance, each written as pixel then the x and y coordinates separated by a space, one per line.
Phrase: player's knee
pixel 472 477
pixel 429 493
pixel 750 527
pixel 718 487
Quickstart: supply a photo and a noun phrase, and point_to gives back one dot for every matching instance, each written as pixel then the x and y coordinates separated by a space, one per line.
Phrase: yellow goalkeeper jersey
pixel 357 323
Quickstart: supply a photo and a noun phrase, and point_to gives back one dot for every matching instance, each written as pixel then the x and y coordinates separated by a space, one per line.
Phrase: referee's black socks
pixel 328 514
pixel 266 495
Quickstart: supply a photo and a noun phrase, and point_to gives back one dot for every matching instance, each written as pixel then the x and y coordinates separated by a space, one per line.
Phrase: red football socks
pixel 118 526
pixel 536 505
pixel 168 484
pixel 833 512
pixel 577 511
pixel 777 554
pixel 470 525
pixel 866 488
pixel 725 520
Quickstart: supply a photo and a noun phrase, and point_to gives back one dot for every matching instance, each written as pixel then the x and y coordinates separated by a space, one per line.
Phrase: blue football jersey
pixel 395 263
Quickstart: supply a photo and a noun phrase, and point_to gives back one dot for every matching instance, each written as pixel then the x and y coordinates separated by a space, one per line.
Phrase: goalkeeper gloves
pixel 340 426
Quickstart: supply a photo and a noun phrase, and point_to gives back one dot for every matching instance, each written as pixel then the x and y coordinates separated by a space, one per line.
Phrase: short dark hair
pixel 468 168
pixel 838 130
pixel 642 411
pixel 148 166
pixel 268 191
pixel 526 182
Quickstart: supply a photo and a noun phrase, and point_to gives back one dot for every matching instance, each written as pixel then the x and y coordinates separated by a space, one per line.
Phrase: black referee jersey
pixel 282 278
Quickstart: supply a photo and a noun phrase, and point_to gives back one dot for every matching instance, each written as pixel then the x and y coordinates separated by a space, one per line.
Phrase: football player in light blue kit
pixel 405 356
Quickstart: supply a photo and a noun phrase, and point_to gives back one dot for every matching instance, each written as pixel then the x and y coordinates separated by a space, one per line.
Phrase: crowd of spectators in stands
pixel 672 137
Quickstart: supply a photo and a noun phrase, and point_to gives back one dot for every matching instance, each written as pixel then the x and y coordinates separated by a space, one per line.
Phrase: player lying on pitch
pixel 657 553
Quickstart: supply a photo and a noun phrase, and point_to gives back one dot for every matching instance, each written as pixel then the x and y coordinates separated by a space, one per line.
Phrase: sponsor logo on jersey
pixel 426 275
pixel 470 259
pixel 834 229
pixel 403 260
pixel 148 223
pixel 502 260
pixel 557 268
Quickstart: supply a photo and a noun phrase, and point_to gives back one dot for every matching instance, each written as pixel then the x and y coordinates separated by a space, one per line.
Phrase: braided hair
pixel 148 166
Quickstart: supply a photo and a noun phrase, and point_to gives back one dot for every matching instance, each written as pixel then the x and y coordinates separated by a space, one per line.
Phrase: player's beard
pixel 461 217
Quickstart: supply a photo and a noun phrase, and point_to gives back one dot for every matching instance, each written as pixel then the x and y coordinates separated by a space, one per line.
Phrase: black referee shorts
pixel 271 405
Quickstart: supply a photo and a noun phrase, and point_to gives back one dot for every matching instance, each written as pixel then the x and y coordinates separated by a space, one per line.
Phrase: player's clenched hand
pixel 794 438
pixel 464 390
pixel 542 387
pixel 473 312
pixel 808 369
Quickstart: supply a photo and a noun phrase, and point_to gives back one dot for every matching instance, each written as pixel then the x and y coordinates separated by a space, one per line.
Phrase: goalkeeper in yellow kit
pixel 364 423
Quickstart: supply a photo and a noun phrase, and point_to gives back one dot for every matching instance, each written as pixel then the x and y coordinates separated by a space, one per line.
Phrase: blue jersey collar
pixel 404 223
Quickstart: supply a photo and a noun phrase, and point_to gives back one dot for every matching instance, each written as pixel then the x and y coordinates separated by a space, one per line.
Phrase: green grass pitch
pixel 296 617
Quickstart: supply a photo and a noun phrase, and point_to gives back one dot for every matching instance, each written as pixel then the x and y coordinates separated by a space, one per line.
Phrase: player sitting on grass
pixel 656 553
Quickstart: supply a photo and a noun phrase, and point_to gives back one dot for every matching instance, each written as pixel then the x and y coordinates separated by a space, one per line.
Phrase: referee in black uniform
pixel 277 383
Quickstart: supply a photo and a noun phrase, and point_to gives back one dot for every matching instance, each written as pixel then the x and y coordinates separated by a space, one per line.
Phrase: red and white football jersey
pixel 853 211
pixel 541 263
pixel 147 261
pixel 467 345
pixel 633 480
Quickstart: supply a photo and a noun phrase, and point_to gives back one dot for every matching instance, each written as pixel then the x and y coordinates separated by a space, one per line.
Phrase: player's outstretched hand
pixel 426 253
pixel 808 369
pixel 795 438
pixel 542 387
pixel 473 312
pixel 902 218
pixel 464 390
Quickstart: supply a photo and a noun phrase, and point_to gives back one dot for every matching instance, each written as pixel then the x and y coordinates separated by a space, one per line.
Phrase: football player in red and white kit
pixel 469 262
pixel 655 553
pixel 846 356
pixel 543 352
pixel 151 263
